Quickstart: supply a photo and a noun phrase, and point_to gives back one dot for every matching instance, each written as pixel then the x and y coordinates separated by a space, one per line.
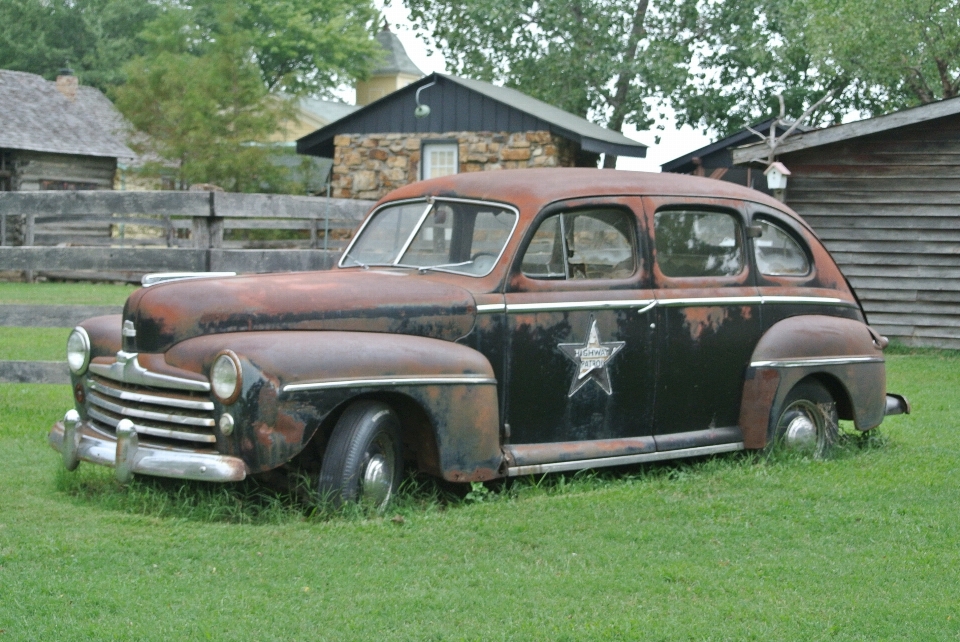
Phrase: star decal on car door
pixel 591 358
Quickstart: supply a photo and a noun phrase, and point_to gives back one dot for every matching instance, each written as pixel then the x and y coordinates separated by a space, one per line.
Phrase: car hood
pixel 360 300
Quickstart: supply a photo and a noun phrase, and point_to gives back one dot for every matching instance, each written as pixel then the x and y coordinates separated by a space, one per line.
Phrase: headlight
pixel 225 377
pixel 78 351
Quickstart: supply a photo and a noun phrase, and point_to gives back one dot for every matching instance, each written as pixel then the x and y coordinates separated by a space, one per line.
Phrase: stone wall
pixel 368 166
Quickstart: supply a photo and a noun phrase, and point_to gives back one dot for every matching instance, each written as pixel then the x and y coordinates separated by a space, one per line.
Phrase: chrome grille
pixel 178 417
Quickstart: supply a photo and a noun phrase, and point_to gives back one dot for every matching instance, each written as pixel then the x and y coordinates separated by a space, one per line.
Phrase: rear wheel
pixel 807 424
pixel 362 462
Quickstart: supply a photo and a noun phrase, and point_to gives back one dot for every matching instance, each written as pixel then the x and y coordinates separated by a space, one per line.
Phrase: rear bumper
pixel 78 441
pixel 896 405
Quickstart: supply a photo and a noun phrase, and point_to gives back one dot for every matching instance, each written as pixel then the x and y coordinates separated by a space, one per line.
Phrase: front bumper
pixel 78 441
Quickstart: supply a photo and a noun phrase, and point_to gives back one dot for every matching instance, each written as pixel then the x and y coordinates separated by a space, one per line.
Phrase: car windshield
pixel 451 236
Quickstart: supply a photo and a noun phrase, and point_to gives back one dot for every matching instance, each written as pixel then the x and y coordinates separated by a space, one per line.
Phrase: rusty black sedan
pixel 490 325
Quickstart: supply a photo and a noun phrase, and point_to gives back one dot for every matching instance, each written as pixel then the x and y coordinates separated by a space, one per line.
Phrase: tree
pixel 600 59
pixel 720 64
pixel 875 56
pixel 94 37
pixel 906 51
pixel 209 88
pixel 202 104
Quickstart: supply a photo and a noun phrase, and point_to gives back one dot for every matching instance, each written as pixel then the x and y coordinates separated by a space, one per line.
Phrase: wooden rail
pixel 139 232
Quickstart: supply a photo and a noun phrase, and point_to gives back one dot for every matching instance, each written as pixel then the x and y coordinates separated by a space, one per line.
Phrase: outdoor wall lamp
pixel 422 111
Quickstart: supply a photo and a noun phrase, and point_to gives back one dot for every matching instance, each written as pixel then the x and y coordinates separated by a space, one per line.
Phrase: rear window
pixel 778 253
pixel 698 243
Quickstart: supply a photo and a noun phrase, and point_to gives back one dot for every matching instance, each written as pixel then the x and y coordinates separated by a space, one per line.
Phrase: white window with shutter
pixel 439 159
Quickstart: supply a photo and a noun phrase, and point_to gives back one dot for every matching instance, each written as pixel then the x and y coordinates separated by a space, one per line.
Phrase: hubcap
pixel 377 479
pixel 801 434
pixel 803 427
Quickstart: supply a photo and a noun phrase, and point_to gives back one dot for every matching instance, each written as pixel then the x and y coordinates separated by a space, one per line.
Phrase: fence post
pixel 3 229
pixel 30 221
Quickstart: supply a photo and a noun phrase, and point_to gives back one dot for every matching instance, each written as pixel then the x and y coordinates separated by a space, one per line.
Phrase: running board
pixel 622 460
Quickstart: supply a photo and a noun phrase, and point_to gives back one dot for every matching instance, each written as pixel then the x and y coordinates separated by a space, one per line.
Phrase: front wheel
pixel 808 422
pixel 363 461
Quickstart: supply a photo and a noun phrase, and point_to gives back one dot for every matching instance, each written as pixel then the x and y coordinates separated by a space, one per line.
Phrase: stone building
pixel 443 124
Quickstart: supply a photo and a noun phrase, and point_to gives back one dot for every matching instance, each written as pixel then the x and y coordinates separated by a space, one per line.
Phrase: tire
pixel 363 461
pixel 807 424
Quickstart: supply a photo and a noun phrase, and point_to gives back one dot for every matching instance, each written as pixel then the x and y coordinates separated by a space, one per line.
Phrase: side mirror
pixel 754 231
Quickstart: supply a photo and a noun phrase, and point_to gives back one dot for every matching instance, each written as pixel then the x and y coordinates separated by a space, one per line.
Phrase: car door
pixel 708 319
pixel 578 340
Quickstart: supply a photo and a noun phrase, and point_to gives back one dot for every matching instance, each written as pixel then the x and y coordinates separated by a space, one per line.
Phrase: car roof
pixel 534 188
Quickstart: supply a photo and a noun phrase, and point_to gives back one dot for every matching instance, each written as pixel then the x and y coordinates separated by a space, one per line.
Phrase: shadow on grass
pixel 253 501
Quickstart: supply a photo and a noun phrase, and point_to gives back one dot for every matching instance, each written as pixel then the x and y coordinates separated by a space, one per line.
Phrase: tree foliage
pixel 719 63
pixel 212 83
pixel 906 52
pixel 874 56
pixel 94 37
pixel 600 59
pixel 203 108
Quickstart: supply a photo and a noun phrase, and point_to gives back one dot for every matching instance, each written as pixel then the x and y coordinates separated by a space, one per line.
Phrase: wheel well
pixel 416 431
pixel 837 390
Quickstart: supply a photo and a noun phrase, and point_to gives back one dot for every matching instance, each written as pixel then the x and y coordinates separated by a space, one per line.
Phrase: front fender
pixel 842 353
pixel 292 381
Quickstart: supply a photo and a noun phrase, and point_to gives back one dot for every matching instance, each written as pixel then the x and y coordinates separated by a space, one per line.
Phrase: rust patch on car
pixel 759 391
pixel 699 320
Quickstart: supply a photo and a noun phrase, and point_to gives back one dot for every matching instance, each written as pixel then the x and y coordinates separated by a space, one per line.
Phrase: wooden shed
pixel 883 194
pixel 57 135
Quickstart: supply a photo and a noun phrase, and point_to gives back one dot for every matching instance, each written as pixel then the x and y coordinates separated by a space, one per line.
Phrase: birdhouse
pixel 776 175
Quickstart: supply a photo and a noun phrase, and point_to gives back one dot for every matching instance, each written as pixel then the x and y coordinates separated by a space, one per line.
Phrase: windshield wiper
pixel 426 268
pixel 360 263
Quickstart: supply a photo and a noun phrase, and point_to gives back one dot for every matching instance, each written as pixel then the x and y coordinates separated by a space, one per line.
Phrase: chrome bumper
pixel 76 441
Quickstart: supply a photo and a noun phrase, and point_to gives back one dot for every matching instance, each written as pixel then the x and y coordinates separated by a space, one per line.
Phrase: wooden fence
pixel 132 233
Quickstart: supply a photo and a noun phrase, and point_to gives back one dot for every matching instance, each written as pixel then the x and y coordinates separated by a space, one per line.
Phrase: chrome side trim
pixel 537 469
pixel 147 414
pixel 98 448
pixel 808 300
pixel 814 361
pixel 166 433
pixel 126 369
pixel 489 308
pixel 643 304
pixel 390 381
pixel 646 304
pixel 163 277
pixel 159 400
pixel 710 300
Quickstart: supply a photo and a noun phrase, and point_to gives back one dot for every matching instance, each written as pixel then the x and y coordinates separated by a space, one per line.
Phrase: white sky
pixel 673 142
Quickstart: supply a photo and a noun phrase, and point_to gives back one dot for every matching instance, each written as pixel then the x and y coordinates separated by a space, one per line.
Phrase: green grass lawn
pixel 865 546
pixel 65 293
pixel 33 344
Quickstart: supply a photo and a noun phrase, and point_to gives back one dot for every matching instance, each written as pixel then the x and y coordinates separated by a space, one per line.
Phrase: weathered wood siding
pixel 36 169
pixel 887 206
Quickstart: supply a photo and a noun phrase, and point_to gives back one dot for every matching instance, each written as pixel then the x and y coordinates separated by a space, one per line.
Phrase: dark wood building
pixel 716 159
pixel 469 126
pixel 884 195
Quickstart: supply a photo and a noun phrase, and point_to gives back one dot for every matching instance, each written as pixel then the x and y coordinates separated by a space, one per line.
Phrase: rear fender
pixel 293 381
pixel 843 354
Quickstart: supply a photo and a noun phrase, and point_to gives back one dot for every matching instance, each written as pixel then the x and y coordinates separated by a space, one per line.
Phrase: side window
pixel 778 254
pixel 698 243
pixel 583 244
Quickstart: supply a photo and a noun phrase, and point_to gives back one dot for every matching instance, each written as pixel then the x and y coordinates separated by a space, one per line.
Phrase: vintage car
pixel 489 325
